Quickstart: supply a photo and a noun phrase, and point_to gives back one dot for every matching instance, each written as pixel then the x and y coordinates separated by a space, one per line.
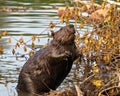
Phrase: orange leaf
pixel 21 40
pixel 51 25
pixel 81 25
pixel 17 45
pixel 9 40
pixel 33 38
pixel 13 51
pixel 31 53
pixel 33 45
pixel 1 50
pixel 0 35
pixel 25 49
pixel 84 8
pixel 97 83
pixel 5 33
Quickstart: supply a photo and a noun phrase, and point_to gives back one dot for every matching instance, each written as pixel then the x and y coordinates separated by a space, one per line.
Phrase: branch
pixel 107 89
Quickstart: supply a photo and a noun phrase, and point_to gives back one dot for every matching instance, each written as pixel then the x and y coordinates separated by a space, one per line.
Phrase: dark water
pixel 22 18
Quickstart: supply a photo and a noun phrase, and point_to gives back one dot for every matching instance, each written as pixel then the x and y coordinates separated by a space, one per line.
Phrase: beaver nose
pixel 71 25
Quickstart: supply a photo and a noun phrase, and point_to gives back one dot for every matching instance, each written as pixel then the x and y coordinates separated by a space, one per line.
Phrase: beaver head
pixel 66 35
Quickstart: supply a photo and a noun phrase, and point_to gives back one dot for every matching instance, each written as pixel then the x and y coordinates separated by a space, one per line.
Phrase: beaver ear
pixel 52 34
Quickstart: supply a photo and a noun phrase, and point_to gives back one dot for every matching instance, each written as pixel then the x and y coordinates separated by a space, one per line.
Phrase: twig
pixel 79 93
pixel 118 74
pixel 2 83
pixel 88 78
pixel 108 83
pixel 107 89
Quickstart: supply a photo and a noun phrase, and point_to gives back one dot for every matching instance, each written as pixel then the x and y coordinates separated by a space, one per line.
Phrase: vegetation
pixel 100 47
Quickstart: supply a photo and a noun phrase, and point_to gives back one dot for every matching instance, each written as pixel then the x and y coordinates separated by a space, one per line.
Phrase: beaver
pixel 48 67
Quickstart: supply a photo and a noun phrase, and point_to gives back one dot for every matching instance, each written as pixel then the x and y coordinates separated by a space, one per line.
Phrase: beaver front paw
pixel 68 53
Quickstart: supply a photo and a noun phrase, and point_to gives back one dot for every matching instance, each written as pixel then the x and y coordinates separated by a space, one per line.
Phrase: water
pixel 22 18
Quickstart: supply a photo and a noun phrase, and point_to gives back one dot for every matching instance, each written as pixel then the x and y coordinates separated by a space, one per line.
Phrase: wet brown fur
pixel 49 66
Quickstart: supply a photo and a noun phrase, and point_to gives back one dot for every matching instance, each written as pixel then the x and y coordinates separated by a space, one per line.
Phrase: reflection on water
pixel 21 18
